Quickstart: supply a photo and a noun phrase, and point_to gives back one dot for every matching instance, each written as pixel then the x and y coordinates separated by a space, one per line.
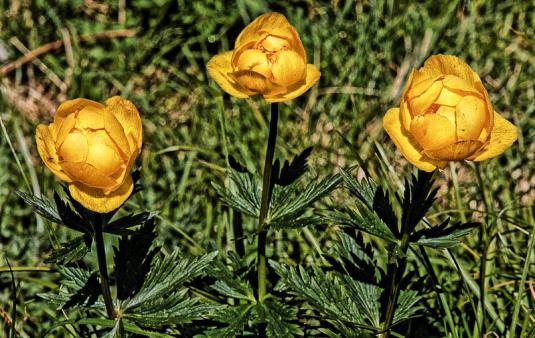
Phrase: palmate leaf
pixel 167 275
pixel 407 306
pixel 81 289
pixel 418 197
pixel 71 251
pixel 41 205
pixel 280 318
pixel 364 220
pixel 442 236
pixel 290 202
pixel 235 318
pixel 175 308
pixel 241 192
pixel 121 226
pixel 292 171
pixel 373 198
pixel 133 258
pixel 328 294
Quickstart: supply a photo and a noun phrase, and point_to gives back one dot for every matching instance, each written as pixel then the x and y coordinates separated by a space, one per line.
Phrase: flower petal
pixel 502 136
pixel 455 152
pixel 452 65
pixel 74 148
pixel 47 151
pixel 405 143
pixel 420 104
pixel 289 68
pixel 73 106
pixel 117 133
pixel 433 131
pixel 470 115
pixel 89 175
pixel 128 116
pixel 95 199
pixel 312 76
pixel 219 68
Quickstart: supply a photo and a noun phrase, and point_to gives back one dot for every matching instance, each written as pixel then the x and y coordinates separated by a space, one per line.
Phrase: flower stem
pixel 396 271
pixel 104 283
pixel 267 188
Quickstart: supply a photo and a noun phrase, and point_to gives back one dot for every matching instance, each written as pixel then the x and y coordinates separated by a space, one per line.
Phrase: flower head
pixel 92 147
pixel 445 115
pixel 268 59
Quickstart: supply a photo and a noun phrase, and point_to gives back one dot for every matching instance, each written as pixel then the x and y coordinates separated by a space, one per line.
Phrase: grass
pixel 364 49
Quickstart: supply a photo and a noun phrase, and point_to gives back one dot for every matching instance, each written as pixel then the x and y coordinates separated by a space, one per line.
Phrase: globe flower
pixel 92 147
pixel 445 115
pixel 268 59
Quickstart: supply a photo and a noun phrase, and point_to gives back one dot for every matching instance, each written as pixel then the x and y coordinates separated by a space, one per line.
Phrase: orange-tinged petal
pixel 455 152
pixel 455 82
pixel 452 65
pixel 104 158
pixel 420 104
pixel 74 148
pixel 447 112
pixel 128 116
pixel 406 117
pixel 90 117
pixel 433 131
pixel 289 68
pixel 405 143
pixel 312 76
pixel 268 23
pixel 470 116
pixel 255 60
pixel 253 81
pixel 502 136
pixel 274 43
pixel 117 133
pixel 419 88
pixel 448 98
pixel 47 151
pixel 63 129
pixel 88 175
pixel 72 106
pixel 219 68
pixel 95 199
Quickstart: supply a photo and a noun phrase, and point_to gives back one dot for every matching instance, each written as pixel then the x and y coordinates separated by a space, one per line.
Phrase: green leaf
pixel 329 295
pixel 41 205
pixel 290 203
pixel 241 192
pixel 292 171
pixel 167 275
pixel 133 258
pixel 71 251
pixel 407 306
pixel 442 236
pixel 121 225
pixel 280 318
pixel 364 220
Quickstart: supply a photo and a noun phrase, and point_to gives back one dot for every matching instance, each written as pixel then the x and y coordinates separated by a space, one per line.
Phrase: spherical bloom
pixel 445 115
pixel 93 147
pixel 268 59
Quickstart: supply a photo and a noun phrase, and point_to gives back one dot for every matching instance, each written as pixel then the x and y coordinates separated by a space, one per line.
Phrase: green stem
pixel 484 241
pixel 102 266
pixel 267 188
pixel 397 270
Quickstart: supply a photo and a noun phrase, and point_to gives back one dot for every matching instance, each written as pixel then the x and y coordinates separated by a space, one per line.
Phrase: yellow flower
pixel 92 147
pixel 268 59
pixel 445 115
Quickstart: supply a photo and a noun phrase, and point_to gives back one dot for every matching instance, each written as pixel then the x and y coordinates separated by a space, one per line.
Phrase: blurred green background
pixel 154 53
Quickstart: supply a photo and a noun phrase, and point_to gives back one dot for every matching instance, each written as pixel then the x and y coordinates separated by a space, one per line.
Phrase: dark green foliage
pixel 133 258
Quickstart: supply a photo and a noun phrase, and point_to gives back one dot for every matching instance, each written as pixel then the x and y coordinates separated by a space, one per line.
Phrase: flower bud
pixel 268 59
pixel 445 115
pixel 93 147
